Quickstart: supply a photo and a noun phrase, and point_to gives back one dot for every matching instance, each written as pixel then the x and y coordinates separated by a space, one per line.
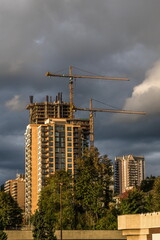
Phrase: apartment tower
pixel 16 188
pixel 53 142
pixel 128 172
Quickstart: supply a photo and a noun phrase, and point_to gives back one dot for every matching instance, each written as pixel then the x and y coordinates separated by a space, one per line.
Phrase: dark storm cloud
pixel 107 37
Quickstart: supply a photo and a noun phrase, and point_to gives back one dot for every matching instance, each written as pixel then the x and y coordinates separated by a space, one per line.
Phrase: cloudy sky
pixel 118 38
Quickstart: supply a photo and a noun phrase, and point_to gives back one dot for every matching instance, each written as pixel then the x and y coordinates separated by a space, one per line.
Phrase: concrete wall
pixel 72 235
pixel 139 221
pixel 140 226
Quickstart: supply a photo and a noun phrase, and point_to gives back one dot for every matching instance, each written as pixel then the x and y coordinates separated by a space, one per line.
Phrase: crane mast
pixel 71 95
pixel 91 121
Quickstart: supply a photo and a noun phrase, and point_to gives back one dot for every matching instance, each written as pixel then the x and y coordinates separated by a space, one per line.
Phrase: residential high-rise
pixel 128 172
pixel 50 145
pixel 16 187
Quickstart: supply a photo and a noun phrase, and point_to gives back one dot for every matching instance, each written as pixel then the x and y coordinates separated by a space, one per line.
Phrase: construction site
pixel 55 138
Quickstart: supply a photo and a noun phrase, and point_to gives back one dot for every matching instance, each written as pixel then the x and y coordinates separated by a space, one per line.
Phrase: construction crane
pixel 92 110
pixel 72 76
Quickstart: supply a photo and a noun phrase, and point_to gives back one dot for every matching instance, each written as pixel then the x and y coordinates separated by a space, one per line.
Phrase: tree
pixel 10 212
pixel 92 188
pixel 135 203
pixel 42 230
pixel 3 235
pixel 147 184
pixel 156 195
pixel 47 217
pixel 109 220
pixel 85 198
pixel 2 188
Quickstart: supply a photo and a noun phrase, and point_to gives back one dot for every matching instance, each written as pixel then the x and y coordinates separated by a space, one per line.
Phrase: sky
pixel 115 38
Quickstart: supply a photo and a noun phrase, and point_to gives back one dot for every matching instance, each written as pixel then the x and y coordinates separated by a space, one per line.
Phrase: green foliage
pixel 109 220
pixel 147 184
pixel 2 188
pixel 3 235
pixel 156 195
pixel 85 199
pixel 50 200
pixel 92 191
pixel 47 218
pixel 10 212
pixel 43 230
pixel 135 203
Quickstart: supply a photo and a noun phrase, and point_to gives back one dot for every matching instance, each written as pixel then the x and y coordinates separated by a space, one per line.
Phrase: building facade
pixel 51 145
pixel 128 172
pixel 16 187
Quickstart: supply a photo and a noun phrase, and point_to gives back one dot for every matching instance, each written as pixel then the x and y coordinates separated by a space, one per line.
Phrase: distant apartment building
pixel 16 187
pixel 51 144
pixel 128 172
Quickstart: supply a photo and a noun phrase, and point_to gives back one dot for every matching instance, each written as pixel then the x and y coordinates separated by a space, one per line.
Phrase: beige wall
pixel 140 226
pixel 139 221
pixel 75 234
pixel 21 194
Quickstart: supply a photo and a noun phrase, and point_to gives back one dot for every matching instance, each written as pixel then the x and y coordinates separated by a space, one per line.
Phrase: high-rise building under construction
pixel 53 141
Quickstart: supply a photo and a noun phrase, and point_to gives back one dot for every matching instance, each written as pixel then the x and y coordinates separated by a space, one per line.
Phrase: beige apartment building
pixel 51 144
pixel 128 172
pixel 16 187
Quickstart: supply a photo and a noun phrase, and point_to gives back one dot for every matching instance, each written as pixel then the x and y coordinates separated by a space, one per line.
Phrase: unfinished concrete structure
pixel 41 111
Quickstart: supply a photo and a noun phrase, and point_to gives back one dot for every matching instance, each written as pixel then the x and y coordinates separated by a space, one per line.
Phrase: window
pixel 51 154
pixel 50 138
pixel 62 139
pixel 69 165
pixel 69 139
pixel 69 159
pixel 69 129
pixel 69 170
pixel 50 159
pixel 69 149
pixel 69 133
pixel 51 165
pixel 69 154
pixel 69 144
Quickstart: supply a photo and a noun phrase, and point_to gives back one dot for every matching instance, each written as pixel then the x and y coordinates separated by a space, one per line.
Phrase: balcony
pixel 45 156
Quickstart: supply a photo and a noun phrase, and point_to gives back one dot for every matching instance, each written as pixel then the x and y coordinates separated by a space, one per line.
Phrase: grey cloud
pixel 107 37
pixel 16 104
